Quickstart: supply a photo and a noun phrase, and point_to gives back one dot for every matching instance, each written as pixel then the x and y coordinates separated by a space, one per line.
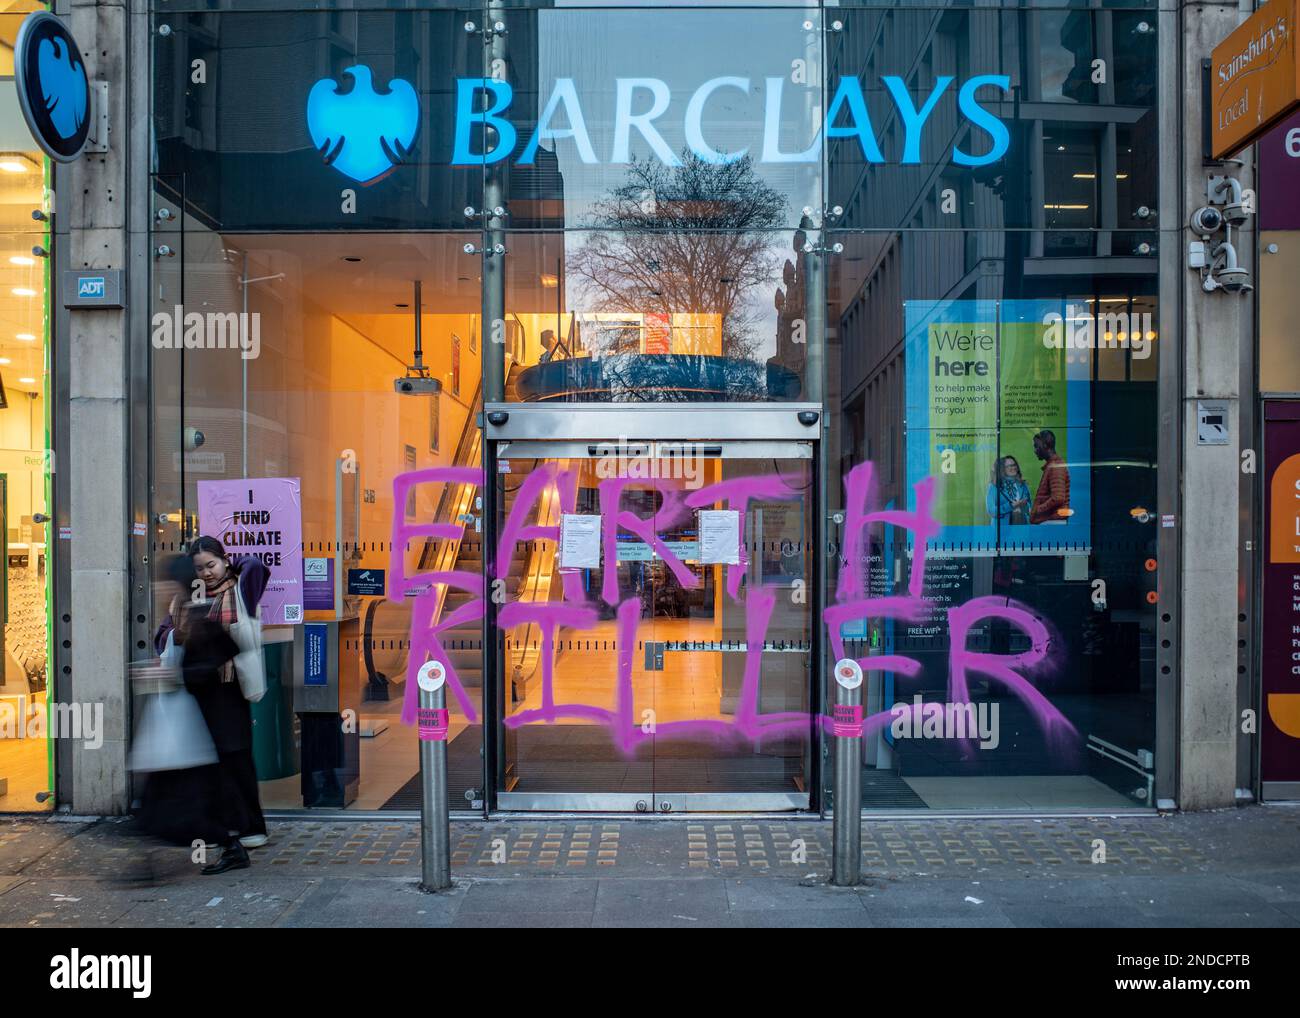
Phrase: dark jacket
pixel 207 648
pixel 222 703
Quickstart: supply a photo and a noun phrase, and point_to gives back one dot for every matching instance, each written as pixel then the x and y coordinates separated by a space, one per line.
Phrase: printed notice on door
pixel 720 537
pixel 579 541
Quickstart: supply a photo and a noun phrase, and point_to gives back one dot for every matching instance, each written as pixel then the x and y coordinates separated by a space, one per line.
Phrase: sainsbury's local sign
pixel 1254 78
pixel 366 127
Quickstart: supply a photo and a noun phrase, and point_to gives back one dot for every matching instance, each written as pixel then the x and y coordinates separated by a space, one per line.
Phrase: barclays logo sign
pixel 364 133
pixel 52 84
pixel 63 86
pixel 846 117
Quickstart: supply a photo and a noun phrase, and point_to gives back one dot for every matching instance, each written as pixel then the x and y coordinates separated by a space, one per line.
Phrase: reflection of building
pixel 1082 150
pixel 1054 226
pixel 792 310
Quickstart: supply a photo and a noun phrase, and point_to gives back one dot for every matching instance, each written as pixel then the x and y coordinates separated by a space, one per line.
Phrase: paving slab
pixel 554 894
pixel 372 902
pixel 67 901
pixel 226 901
pixel 774 895
pixel 688 899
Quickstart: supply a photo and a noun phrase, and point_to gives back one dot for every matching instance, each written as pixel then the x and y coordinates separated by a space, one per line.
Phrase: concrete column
pixel 1214 328
pixel 90 211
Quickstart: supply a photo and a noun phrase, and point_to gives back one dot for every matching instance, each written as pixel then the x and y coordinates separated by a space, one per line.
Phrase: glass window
pixel 26 752
pixel 670 313
pixel 328 328
pixel 296 120
pixel 1028 456
pixel 926 204
pixel 613 104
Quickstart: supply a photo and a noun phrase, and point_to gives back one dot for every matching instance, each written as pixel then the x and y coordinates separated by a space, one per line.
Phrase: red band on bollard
pixel 846 720
pixel 433 723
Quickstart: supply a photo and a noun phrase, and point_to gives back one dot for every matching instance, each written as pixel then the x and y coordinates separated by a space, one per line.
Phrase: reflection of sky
pixel 595 48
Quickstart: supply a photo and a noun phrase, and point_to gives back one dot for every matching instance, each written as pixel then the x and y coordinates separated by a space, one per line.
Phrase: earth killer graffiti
pixel 576 610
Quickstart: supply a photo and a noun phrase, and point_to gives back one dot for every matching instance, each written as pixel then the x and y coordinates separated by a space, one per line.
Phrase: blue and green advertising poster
pixel 984 379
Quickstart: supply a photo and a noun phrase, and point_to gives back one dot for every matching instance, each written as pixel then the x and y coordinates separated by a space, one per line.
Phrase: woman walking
pixel 205 628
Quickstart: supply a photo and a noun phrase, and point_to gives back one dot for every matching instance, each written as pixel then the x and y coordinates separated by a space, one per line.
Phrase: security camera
pixel 1206 220
pixel 416 385
pixel 193 439
pixel 1236 213
pixel 1233 280
pixel 1227 192
pixel 1229 275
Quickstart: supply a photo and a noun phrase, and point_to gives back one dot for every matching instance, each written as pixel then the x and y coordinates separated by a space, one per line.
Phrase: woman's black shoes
pixel 233 857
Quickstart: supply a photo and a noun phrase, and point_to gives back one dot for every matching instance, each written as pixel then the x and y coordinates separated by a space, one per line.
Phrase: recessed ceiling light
pixel 22 291
pixel 401 305
pixel 17 162
pixel 5 360
pixel 27 381
pixel 26 336
pixel 351 258
pixel 21 260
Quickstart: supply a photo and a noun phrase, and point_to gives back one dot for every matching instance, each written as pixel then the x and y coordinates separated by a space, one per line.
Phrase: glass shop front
pixel 638 364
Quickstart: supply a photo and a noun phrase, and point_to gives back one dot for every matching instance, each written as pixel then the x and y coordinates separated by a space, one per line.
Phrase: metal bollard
pixel 846 728
pixel 435 819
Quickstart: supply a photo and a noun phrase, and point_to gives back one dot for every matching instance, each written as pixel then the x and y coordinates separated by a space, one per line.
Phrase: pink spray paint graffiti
pixel 962 661
pixel 748 723
pixel 575 612
pixel 428 588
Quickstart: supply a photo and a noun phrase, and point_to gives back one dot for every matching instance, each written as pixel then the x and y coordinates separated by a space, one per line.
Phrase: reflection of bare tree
pixel 686 239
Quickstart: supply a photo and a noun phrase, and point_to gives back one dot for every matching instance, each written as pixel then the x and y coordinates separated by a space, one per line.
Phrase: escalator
pixel 386 623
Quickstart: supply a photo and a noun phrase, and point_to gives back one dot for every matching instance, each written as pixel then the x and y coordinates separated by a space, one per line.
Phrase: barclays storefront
pixel 638 363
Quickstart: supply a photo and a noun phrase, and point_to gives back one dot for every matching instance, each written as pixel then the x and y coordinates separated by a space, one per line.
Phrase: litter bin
pixel 276 739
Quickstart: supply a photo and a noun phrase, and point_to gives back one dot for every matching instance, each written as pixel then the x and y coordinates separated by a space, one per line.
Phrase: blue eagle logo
pixel 64 87
pixel 363 133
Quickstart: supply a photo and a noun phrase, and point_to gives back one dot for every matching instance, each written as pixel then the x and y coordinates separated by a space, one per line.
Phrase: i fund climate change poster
pixel 261 517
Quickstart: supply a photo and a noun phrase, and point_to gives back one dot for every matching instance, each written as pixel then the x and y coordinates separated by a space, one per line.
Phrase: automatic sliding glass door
pixel 662 661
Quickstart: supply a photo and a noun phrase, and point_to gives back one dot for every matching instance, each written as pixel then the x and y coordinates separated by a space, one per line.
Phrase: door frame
pixel 550 431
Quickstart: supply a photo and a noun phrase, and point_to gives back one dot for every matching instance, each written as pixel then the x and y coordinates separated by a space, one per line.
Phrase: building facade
pixel 636 364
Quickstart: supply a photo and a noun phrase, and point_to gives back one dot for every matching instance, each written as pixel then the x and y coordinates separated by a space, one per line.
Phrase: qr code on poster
pixel 293 613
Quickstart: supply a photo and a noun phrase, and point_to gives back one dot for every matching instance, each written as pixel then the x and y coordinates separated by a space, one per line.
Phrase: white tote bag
pixel 172 656
pixel 250 667
pixel 171 733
